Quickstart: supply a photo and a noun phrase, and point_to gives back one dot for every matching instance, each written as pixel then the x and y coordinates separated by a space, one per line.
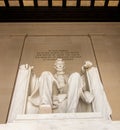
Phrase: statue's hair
pixel 59 60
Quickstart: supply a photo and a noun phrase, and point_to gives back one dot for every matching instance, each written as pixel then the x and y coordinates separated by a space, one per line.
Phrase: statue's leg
pixel 74 90
pixel 45 92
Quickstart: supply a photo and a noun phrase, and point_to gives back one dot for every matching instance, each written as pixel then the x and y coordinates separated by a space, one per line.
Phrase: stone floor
pixel 99 42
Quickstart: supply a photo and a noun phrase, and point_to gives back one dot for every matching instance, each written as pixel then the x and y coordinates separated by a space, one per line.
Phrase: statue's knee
pixel 45 73
pixel 75 75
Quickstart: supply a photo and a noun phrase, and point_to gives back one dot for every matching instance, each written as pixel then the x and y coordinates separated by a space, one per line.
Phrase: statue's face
pixel 59 66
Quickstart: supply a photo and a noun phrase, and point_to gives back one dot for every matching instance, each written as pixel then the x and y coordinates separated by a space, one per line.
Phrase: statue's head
pixel 59 64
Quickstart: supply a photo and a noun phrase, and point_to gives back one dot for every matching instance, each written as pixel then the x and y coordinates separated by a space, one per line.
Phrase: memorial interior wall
pixel 40 44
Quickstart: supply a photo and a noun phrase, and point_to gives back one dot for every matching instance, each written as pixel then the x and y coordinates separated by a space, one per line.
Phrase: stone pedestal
pixel 63 121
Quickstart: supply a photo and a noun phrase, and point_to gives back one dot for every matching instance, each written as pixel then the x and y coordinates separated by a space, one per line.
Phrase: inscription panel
pixel 54 54
pixel 41 52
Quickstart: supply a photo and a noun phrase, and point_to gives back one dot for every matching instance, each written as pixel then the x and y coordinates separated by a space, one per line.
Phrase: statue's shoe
pixel 45 109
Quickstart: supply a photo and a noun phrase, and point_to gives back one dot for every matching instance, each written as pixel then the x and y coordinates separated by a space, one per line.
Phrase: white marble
pixel 20 95
pixel 64 121
pixel 100 102
pixel 60 116
pixel 75 93
pixel 70 89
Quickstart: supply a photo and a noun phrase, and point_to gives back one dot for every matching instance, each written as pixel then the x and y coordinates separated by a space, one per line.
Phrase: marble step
pixel 62 121
pixel 60 116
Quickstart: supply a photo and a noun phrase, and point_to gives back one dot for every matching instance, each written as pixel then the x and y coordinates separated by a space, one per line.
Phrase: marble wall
pixel 21 43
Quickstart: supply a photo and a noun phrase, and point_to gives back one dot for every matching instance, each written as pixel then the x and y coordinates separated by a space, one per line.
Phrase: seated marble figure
pixel 69 90
pixel 59 92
